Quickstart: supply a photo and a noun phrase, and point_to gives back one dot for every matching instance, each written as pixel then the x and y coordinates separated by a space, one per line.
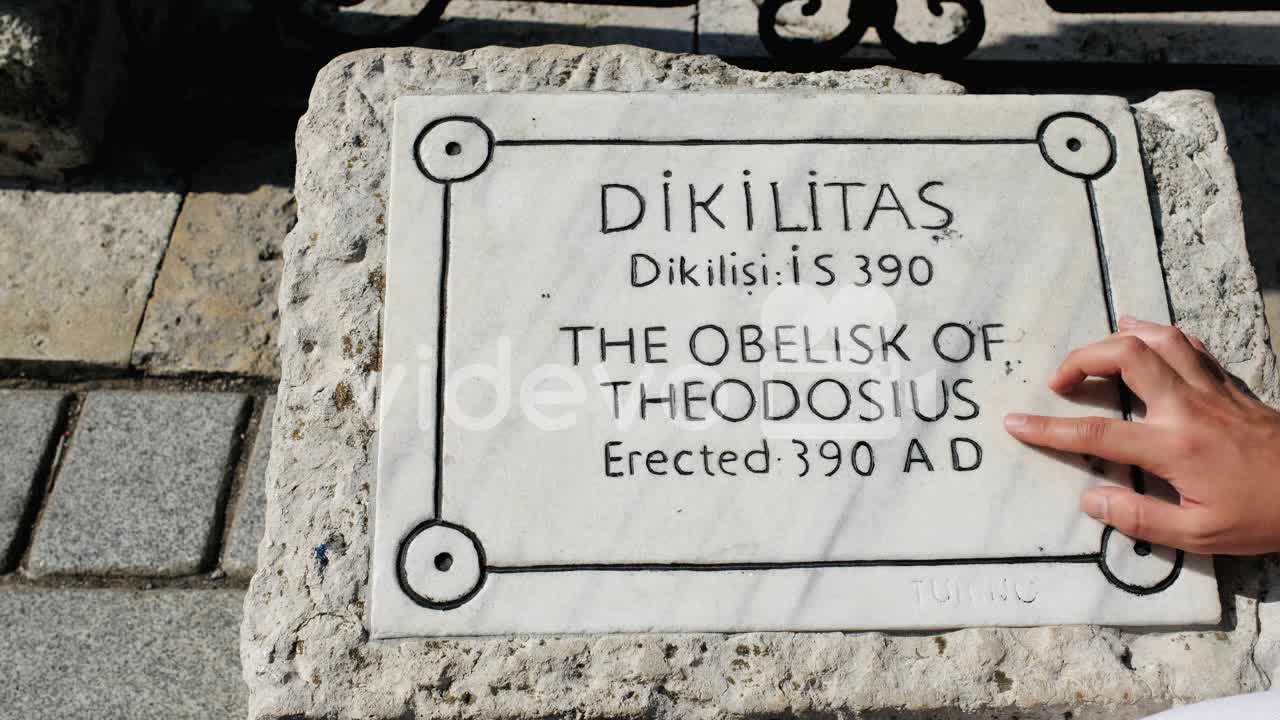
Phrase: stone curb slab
pixel 213 308
pixel 475 23
pixel 76 267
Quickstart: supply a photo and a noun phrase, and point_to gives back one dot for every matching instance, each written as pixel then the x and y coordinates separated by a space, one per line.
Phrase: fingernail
pixel 1129 321
pixel 1015 421
pixel 1094 504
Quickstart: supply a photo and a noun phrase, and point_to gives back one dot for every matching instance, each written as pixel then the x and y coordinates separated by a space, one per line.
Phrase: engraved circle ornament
pixel 453 149
pixel 441 565
pixel 1138 567
pixel 1078 145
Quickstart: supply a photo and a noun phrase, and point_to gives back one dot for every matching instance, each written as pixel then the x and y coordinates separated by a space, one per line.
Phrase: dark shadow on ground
pixel 192 93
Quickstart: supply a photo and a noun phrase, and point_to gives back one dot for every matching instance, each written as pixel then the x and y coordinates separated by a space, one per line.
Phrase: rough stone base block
pixel 306 647
pixel 59 64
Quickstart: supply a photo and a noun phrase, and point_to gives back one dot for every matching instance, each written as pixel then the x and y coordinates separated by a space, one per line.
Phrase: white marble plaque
pixel 739 361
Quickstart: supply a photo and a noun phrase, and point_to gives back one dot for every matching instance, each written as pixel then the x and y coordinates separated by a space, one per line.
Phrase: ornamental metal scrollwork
pixel 880 14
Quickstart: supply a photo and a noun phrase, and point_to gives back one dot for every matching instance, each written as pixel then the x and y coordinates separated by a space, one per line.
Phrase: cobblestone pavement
pixel 129 527
pixel 138 344
pixel 138 364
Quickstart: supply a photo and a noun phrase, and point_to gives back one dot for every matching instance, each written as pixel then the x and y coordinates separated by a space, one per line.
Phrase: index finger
pixel 1120 441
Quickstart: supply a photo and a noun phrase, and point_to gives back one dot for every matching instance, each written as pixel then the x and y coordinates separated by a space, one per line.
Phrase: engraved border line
pixel 1097 558
pixel 780 141
pixel 441 335
pixel 1089 558
pixel 1136 476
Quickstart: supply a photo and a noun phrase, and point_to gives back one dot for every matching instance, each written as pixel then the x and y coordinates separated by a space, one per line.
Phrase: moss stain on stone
pixel 1003 682
pixel 343 398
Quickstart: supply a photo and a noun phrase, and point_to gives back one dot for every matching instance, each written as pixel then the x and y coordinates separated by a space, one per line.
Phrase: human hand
pixel 1216 445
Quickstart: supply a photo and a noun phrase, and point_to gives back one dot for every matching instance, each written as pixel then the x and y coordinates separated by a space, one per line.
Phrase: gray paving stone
pixel 168 654
pixel 28 419
pixel 141 488
pixel 240 557
pixel 76 266
pixel 214 308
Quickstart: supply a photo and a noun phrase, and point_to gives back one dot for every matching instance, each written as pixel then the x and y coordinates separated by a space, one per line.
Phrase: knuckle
pixel 1091 431
pixel 1038 426
pixel 1170 336
pixel 1139 522
pixel 1202 535
pixel 1131 346
pixel 1194 545
pixel 1186 443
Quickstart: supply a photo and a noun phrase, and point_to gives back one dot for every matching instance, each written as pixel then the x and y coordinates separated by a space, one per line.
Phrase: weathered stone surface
pixel 1212 285
pixel 476 23
pixel 76 265
pixel 311 588
pixel 213 308
pixel 1208 258
pixel 1022 30
pixel 28 419
pixel 1214 292
pixel 142 486
pixel 240 556
pixel 163 654
pixel 468 24
pixel 59 63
